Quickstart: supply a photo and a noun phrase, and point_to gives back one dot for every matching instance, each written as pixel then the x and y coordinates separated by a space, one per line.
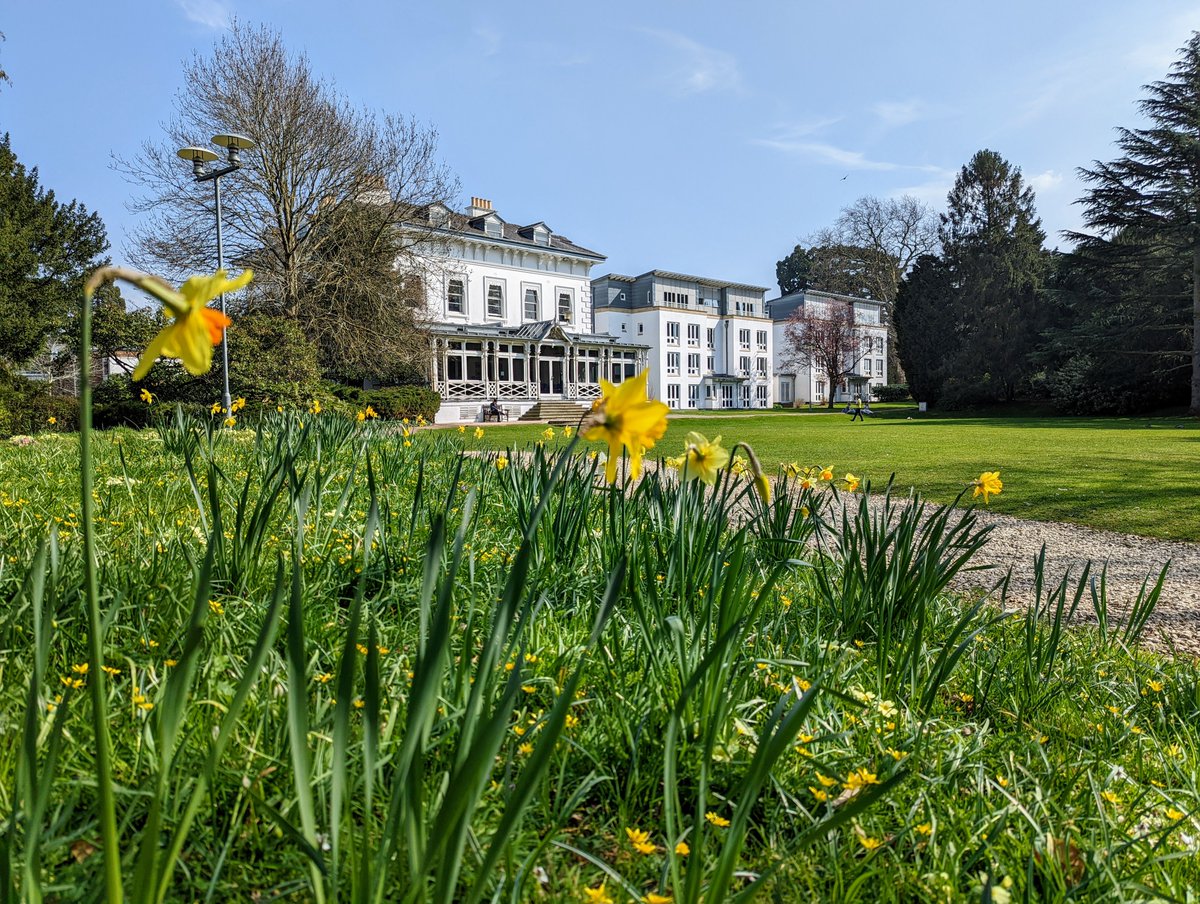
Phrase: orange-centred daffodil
pixel 194 328
pixel 626 419
pixel 701 459
pixel 988 484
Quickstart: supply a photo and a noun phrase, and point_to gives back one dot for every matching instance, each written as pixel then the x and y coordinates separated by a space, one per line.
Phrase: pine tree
pixel 992 243
pixel 1148 200
pixel 927 327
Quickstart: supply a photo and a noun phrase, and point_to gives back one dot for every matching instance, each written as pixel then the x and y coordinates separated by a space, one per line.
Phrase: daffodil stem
pixel 104 786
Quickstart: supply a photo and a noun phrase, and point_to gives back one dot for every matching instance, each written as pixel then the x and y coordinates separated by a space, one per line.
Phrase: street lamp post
pixel 200 158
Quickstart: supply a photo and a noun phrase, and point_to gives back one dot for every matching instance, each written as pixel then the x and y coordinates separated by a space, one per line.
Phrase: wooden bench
pixel 489 415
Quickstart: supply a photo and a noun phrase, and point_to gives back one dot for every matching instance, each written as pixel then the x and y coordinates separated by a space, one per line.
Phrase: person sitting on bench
pixel 495 411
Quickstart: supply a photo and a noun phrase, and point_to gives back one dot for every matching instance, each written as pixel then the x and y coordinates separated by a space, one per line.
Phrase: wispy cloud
pixel 900 113
pixel 209 13
pixel 489 38
pixel 1045 181
pixel 802 145
pixel 933 192
pixel 699 68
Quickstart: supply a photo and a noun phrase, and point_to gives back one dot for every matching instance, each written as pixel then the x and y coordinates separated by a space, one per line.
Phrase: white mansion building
pixel 510 313
pixel 797 384
pixel 710 341
pixel 515 316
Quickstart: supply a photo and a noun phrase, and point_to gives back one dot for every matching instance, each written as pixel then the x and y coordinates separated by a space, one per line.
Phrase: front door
pixel 551 376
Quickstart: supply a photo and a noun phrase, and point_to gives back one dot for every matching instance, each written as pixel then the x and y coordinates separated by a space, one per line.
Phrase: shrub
pixel 892 392
pixel 116 403
pixel 270 363
pixel 26 406
pixel 398 402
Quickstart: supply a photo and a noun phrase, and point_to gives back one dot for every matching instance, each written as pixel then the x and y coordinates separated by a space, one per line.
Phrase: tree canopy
pixel 1144 208
pixel 982 298
pixel 317 159
pixel 46 249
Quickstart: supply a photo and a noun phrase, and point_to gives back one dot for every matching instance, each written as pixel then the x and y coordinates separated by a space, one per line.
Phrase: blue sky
pixel 698 137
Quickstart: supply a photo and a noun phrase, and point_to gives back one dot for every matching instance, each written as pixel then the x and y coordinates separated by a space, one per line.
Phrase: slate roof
pixel 783 307
pixel 512 234
pixel 683 277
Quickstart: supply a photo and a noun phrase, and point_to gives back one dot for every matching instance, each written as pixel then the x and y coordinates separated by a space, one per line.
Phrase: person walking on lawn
pixel 858 409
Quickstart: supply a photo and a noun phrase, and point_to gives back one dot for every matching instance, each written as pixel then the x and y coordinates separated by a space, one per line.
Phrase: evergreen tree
pixel 46 249
pixel 926 326
pixel 992 243
pixel 1147 202
pixel 792 272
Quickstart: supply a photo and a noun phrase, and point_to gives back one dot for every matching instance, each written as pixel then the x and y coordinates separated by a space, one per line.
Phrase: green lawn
pixel 1135 475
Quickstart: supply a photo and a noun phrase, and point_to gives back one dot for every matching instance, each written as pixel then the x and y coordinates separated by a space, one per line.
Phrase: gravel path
pixel 1013 543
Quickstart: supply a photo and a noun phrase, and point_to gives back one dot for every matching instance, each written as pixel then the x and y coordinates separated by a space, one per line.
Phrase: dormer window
pixel 439 216
pixel 538 233
pixel 493 227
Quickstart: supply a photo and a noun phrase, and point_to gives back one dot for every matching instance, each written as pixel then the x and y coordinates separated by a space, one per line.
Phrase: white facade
pixel 710 342
pixel 798 385
pixel 510 316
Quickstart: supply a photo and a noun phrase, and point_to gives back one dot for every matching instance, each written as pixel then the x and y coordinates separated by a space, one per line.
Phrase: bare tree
pixel 897 229
pixel 867 251
pixel 288 212
pixel 825 336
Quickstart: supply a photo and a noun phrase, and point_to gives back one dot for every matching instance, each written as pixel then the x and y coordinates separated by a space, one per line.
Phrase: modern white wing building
pixel 510 314
pixel 797 384
pixel 710 341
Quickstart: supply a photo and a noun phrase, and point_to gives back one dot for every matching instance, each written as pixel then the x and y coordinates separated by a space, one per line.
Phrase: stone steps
pixel 558 413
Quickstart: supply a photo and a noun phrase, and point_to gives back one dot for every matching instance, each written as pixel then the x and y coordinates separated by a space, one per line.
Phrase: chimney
pixel 479 206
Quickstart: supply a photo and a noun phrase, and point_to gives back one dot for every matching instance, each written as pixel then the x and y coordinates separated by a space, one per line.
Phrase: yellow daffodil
pixel 370 412
pixel 548 433
pixel 479 433
pixel 827 473
pixel 315 407
pixel 361 416
pixel 462 428
pixel 194 328
pixel 851 482
pixel 682 849
pixel 51 420
pixel 238 404
pixel 230 421
pixel 215 408
pixel 147 396
pixel 567 432
pixel 501 462
pixel 701 459
pixel 987 484
pixel 627 420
